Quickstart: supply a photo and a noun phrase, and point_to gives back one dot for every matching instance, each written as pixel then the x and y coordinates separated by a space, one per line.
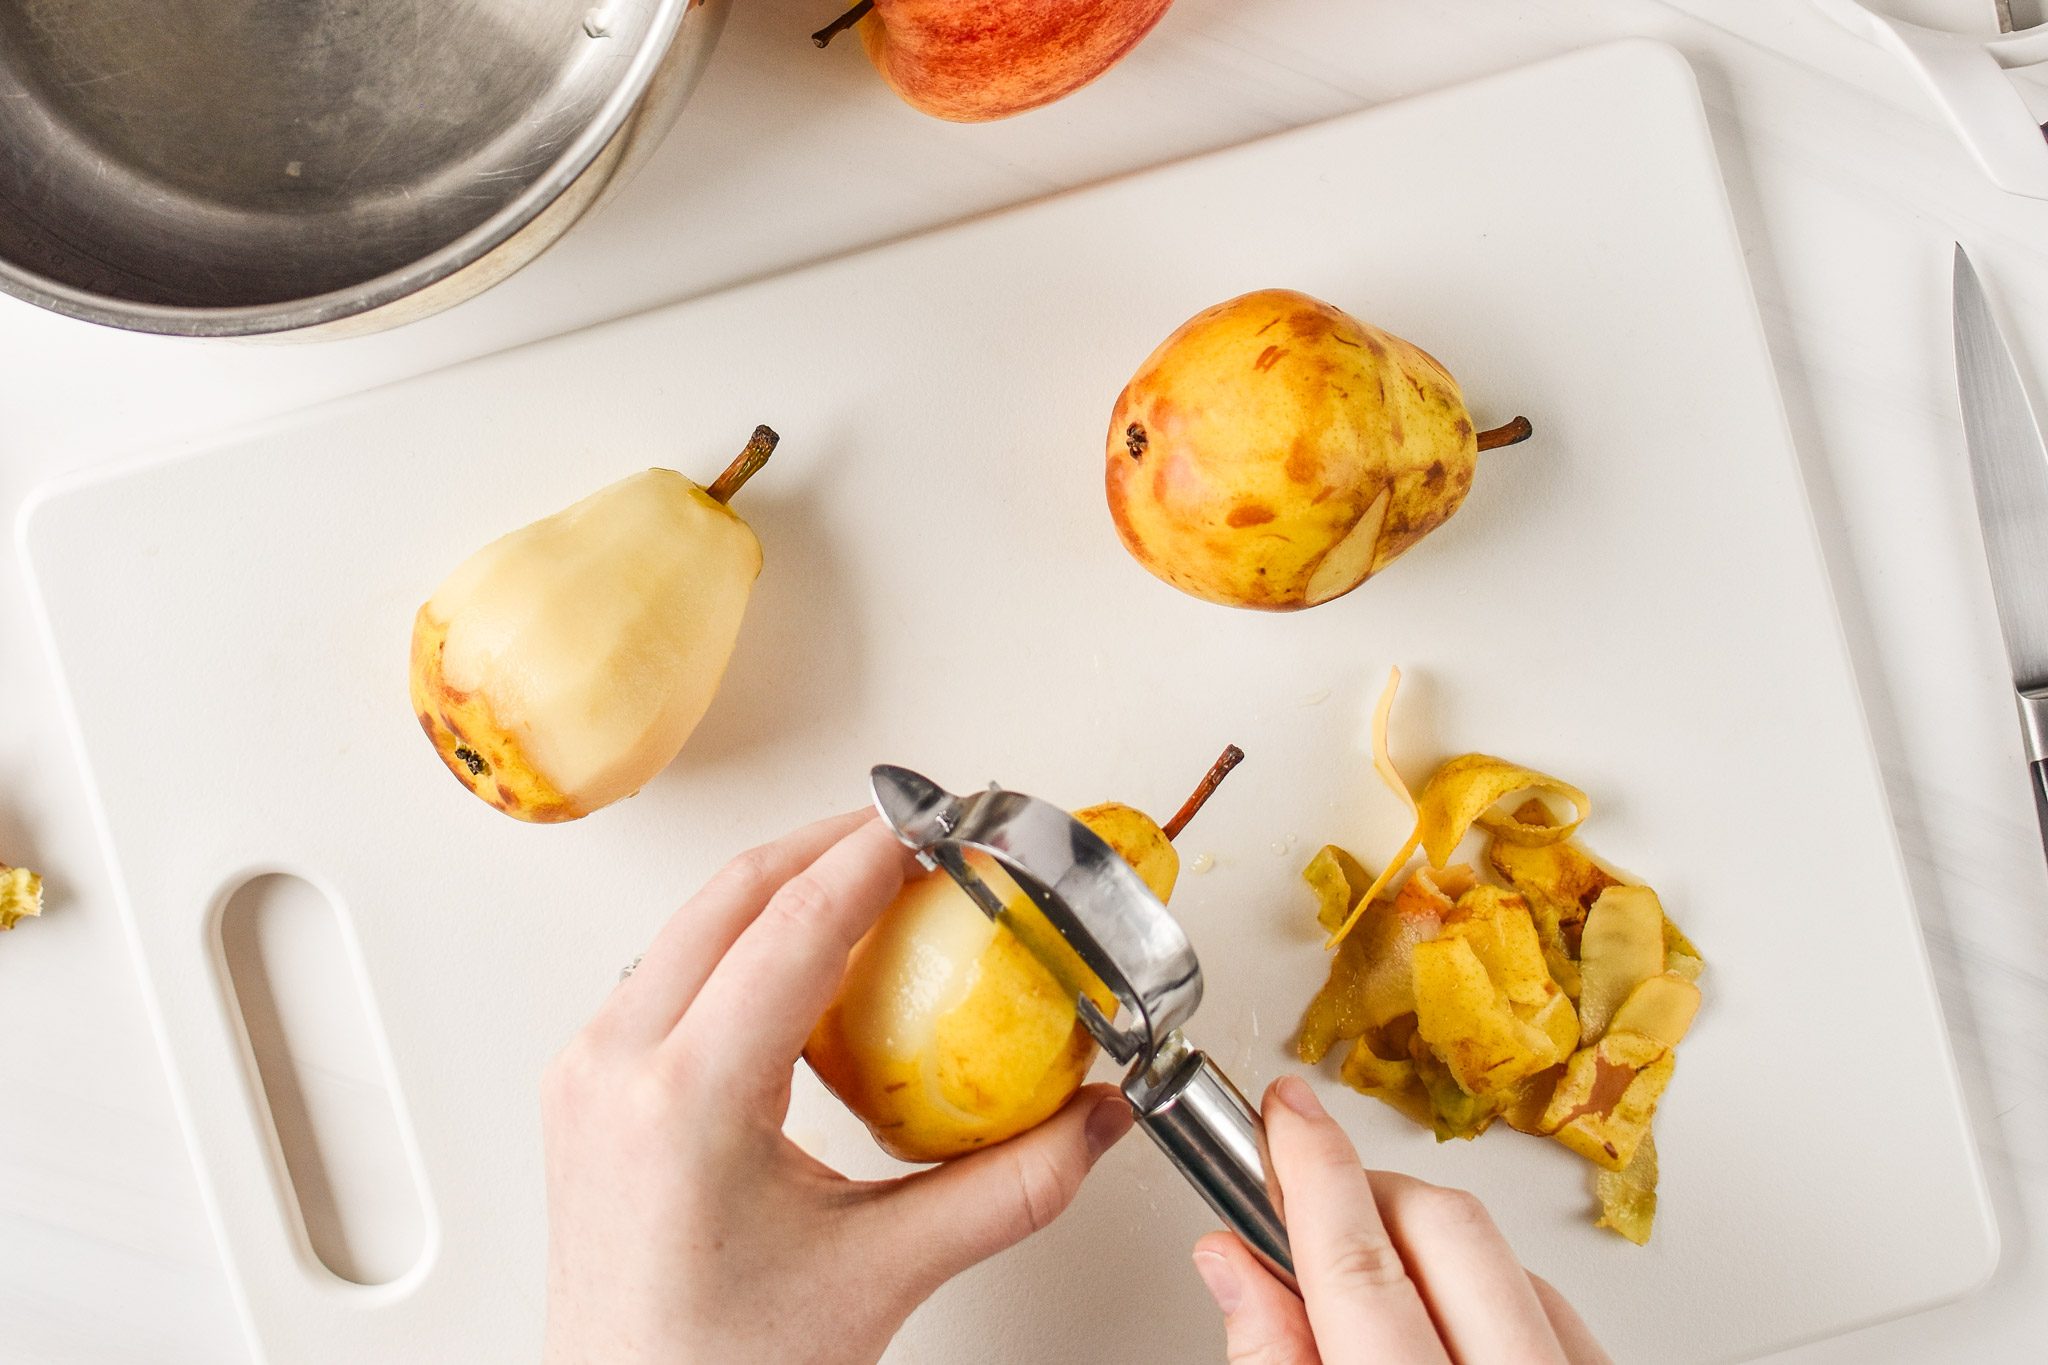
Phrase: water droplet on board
pixel 1202 863
pixel 1279 850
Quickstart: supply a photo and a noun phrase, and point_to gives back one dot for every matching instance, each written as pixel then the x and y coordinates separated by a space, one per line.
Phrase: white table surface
pixel 1847 191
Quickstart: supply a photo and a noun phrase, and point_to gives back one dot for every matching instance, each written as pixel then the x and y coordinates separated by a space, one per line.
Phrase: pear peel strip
pixel 1382 759
pixel 1383 764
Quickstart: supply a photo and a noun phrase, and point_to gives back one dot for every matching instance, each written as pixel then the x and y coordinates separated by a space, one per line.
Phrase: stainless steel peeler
pixel 1125 935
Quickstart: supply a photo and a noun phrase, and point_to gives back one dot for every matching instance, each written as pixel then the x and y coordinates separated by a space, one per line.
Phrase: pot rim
pixel 316 309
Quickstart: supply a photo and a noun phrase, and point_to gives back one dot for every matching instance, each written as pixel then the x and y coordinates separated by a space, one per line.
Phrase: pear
pixel 1275 452
pixel 562 666
pixel 951 1032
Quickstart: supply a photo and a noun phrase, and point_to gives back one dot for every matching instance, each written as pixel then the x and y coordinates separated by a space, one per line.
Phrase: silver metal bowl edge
pixel 479 131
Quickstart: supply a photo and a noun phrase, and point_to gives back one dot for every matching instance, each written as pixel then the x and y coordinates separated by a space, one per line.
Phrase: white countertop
pixel 1847 193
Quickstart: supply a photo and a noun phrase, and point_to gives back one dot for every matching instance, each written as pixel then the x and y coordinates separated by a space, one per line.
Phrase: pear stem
pixel 842 23
pixel 1232 756
pixel 1513 433
pixel 759 447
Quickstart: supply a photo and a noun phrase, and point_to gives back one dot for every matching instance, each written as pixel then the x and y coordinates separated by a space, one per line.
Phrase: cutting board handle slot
pixel 319 1069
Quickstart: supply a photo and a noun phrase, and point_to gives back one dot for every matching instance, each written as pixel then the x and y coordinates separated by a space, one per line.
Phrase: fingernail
pixel 1294 1092
pixel 1109 1120
pixel 1221 1281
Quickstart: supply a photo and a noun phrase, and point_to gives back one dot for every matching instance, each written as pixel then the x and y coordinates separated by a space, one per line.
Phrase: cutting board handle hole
pixel 318 1067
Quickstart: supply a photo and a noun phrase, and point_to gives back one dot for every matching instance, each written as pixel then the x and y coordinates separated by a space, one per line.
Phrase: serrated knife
pixel 2009 468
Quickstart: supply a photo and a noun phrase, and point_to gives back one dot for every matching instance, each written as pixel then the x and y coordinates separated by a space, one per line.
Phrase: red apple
pixel 976 60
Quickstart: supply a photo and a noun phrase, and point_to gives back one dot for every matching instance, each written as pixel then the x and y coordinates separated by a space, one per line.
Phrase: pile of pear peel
pixel 1555 1002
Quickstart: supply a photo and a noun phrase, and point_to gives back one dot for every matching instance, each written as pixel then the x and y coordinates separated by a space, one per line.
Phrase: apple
pixel 971 61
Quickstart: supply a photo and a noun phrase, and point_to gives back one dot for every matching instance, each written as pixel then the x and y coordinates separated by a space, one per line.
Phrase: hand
pixel 682 1225
pixel 1393 1271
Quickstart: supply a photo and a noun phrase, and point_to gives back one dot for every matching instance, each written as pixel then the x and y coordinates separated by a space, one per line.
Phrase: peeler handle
pixel 1209 1130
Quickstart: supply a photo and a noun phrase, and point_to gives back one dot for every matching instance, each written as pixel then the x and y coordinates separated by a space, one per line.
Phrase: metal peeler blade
pixel 1126 936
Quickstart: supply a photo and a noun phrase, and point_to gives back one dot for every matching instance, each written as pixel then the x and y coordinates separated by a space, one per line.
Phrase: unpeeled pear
pixel 562 666
pixel 1275 452
pixel 950 1031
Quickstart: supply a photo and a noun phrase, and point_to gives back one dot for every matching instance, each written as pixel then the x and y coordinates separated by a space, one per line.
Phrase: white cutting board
pixel 1634 601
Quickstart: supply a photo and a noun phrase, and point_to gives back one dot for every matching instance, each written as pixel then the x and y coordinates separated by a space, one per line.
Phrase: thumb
pixel 1262 1320
pixel 948 1218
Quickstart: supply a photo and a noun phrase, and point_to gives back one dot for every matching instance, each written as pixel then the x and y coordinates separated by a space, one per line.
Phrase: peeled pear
pixel 952 1032
pixel 562 666
pixel 1275 452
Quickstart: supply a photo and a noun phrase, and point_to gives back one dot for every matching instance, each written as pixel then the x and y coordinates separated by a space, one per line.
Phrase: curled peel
pixel 1337 880
pixel 1383 763
pixel 1382 760
pixel 1463 793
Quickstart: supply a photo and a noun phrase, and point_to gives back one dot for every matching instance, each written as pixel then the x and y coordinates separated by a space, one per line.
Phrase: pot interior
pixel 238 153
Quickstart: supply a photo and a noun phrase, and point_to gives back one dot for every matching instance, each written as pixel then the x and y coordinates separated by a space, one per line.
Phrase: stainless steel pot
pixel 319 167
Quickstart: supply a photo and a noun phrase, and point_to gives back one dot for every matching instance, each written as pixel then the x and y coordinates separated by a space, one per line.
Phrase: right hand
pixel 1393 1271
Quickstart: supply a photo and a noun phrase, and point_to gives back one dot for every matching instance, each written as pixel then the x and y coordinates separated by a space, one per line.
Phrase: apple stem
pixel 759 447
pixel 1232 756
pixel 842 23
pixel 1513 433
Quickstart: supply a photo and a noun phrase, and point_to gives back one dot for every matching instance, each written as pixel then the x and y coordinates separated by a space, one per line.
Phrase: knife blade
pixel 2009 470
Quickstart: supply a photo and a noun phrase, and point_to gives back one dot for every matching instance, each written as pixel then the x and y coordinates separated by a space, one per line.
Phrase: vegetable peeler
pixel 1125 935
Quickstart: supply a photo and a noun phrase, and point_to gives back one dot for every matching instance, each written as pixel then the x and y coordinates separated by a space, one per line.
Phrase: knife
pixel 2009 468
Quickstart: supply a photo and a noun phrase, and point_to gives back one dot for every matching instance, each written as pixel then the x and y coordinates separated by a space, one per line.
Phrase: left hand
pixel 683 1226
